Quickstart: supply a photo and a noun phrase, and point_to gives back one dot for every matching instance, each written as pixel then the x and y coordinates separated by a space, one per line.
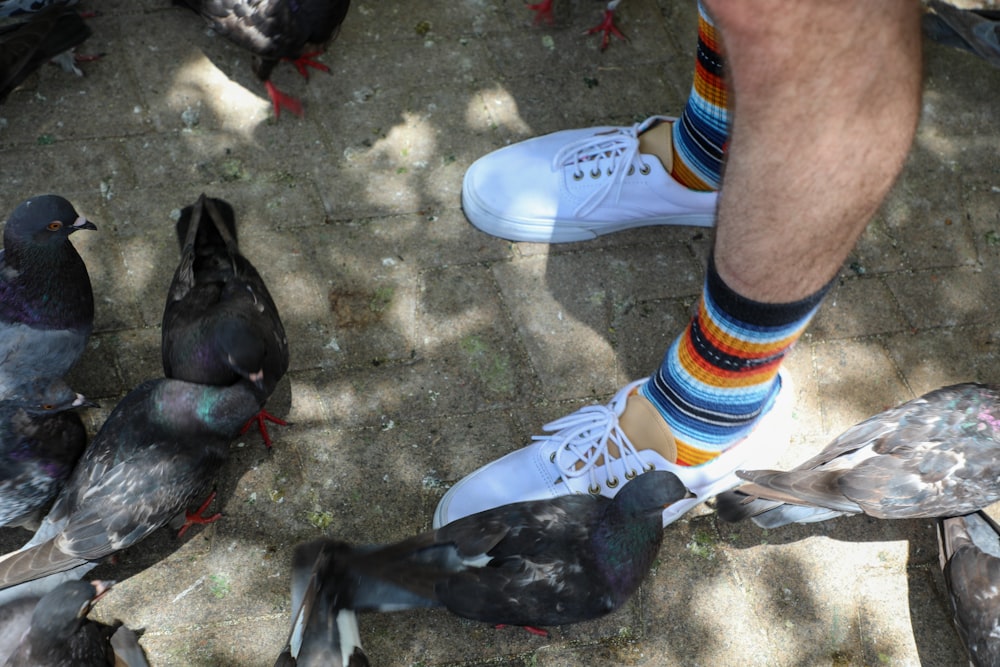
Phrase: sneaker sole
pixel 562 230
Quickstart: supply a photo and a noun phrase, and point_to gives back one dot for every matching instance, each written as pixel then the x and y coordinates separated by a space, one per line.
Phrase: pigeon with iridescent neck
pixel 220 324
pixel 157 453
pixel 41 439
pixel 46 303
pixel 543 562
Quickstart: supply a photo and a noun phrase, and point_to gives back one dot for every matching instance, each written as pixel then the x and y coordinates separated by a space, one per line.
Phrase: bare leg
pixel 826 101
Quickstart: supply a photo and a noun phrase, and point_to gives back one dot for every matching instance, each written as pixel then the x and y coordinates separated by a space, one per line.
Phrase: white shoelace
pixel 582 438
pixel 617 153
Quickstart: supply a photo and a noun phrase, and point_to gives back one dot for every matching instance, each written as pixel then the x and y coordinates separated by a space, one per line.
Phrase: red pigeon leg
pixel 261 419
pixel 305 61
pixel 280 99
pixel 543 11
pixel 607 26
pixel 191 518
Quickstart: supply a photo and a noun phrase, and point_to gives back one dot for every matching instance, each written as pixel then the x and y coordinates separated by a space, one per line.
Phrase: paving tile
pixel 422 348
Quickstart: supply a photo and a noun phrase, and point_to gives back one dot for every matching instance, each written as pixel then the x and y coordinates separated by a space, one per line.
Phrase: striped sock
pixel 701 133
pixel 718 377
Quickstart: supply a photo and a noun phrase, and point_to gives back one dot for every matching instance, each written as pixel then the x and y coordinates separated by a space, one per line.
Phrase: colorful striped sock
pixel 701 133
pixel 718 377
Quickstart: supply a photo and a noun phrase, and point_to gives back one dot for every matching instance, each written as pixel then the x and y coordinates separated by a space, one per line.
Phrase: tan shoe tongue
pixel 644 426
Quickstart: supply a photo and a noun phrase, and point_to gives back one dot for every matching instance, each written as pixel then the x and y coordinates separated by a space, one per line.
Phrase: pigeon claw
pixel 261 419
pixel 281 100
pixel 198 516
pixel 543 11
pixel 305 61
pixel 607 27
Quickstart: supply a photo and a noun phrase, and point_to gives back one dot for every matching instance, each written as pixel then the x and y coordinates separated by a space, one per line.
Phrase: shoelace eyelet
pixel 631 170
pixel 645 169
pixel 552 457
pixel 631 474
pixel 594 490
pixel 612 483
pixel 595 173
pixel 650 468
pixel 578 175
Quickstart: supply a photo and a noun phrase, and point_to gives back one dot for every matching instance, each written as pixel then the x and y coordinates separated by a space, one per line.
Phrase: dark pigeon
pixel 22 7
pixel 59 634
pixel 934 456
pixel 46 304
pixel 324 632
pixel 274 30
pixel 156 454
pixel 974 30
pixel 27 45
pixel 41 440
pixel 548 562
pixel 220 325
pixel 970 559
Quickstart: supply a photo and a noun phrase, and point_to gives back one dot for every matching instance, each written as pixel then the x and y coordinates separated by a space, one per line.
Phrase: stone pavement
pixel 422 348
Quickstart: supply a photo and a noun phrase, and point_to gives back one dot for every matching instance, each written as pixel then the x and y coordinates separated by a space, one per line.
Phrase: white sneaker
pixel 575 185
pixel 594 450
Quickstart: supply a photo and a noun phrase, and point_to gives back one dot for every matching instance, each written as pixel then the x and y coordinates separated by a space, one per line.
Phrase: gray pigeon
pixel 157 452
pixel 46 303
pixel 970 559
pixel 220 325
pixel 934 456
pixel 324 632
pixel 547 562
pixel 41 439
pixel 59 634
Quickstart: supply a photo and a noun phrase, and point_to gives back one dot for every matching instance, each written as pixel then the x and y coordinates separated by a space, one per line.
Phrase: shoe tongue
pixel 646 428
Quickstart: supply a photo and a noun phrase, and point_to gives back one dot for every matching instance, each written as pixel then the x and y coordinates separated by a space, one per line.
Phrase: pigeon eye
pixel 55 226
pixel 48 406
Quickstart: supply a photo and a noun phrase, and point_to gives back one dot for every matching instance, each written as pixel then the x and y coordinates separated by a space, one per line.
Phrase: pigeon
pixel 46 303
pixel 607 27
pixel 970 559
pixel 41 439
pixel 58 633
pixel 156 453
pixel 27 45
pixel 933 456
pixel 974 30
pixel 273 30
pixel 22 7
pixel 546 562
pixel 324 632
pixel 220 324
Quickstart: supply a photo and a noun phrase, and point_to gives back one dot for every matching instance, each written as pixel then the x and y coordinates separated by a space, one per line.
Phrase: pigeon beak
pixel 257 378
pixel 102 587
pixel 82 223
pixel 82 402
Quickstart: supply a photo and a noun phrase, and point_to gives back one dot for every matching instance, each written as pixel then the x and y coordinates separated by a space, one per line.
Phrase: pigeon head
pixel 245 353
pixel 60 612
pixel 42 220
pixel 650 493
pixel 48 396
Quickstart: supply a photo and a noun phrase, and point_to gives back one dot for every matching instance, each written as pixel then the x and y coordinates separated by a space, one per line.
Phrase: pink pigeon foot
pixel 280 99
pixel 198 516
pixel 261 419
pixel 607 27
